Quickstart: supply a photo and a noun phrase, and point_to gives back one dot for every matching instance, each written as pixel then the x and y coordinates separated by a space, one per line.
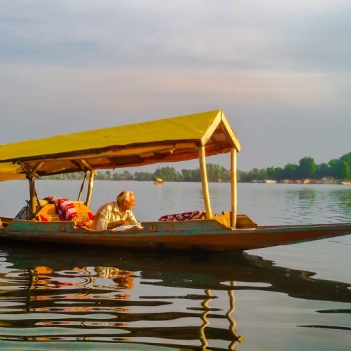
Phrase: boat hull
pixel 208 235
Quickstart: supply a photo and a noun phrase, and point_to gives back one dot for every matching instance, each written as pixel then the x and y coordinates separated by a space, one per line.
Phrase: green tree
pixel 254 174
pixel 191 175
pixel 143 176
pixel 262 174
pixel 279 173
pixel 322 171
pixel 270 172
pixel 102 176
pixel 225 175
pixel 187 176
pixel 346 158
pixel 290 171
pixel 127 175
pixel 307 167
pixel 195 174
pixel 342 170
pixel 167 174
pixel 215 172
pixel 244 177
pixel 116 176
pixel 333 167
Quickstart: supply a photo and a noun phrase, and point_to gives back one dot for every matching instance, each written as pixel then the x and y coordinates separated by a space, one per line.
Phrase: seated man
pixel 116 214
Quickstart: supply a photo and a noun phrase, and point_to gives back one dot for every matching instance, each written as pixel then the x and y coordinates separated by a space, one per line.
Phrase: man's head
pixel 126 200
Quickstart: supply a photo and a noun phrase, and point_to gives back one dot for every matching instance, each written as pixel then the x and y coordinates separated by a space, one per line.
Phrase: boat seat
pixel 184 216
pixel 5 221
pixel 242 220
pixel 48 213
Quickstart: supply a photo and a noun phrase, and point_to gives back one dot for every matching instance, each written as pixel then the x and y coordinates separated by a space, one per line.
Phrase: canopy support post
pixel 204 182
pixel 90 188
pixel 32 196
pixel 233 184
pixel 82 186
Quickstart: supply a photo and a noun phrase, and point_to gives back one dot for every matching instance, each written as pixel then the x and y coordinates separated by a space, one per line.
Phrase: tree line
pixel 170 174
pixel 338 169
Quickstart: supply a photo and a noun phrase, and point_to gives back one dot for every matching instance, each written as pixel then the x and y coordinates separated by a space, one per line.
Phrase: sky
pixel 280 70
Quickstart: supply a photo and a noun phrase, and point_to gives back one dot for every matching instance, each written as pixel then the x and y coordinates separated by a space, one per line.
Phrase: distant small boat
pixel 345 183
pixel 158 181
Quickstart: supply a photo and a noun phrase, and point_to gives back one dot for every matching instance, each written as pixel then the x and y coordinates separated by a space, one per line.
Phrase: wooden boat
pixel 166 140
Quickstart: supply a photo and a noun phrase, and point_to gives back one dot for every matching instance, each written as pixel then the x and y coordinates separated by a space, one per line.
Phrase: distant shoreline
pixel 265 181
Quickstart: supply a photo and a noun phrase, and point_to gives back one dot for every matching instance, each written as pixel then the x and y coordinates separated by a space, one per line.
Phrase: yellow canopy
pixel 165 140
pixel 9 171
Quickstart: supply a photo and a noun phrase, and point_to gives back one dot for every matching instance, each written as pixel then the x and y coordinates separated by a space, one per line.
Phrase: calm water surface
pixel 295 297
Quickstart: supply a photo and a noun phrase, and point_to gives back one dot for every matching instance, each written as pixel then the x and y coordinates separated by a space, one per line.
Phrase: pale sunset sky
pixel 280 70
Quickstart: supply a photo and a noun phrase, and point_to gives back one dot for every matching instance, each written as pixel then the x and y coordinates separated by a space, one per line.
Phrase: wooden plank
pixel 204 182
pixel 90 188
pixel 242 220
pixel 211 129
pixel 233 183
pixel 32 196
pixel 230 134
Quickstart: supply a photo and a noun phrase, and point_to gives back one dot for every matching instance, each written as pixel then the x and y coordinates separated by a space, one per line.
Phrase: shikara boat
pixel 166 140
pixel 158 181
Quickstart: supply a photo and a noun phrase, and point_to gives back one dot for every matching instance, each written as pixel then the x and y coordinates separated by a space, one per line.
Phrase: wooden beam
pixel 90 188
pixel 31 171
pixel 31 174
pixel 115 151
pixel 204 181
pixel 211 129
pixel 230 133
pixel 87 165
pixel 233 183
pixel 82 186
pixel 79 165
pixel 32 196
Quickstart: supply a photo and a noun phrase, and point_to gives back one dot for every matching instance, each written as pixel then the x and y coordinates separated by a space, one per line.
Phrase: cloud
pixel 275 68
pixel 249 35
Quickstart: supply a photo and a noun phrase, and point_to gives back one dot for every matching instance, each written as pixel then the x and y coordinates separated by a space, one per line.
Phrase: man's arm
pixel 132 220
pixel 116 224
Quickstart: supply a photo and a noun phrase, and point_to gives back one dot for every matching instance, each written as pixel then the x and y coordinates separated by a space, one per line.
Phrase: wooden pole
pixel 90 188
pixel 82 186
pixel 32 196
pixel 233 183
pixel 203 173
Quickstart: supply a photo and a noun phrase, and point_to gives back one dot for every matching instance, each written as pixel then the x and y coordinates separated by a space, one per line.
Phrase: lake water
pixel 294 297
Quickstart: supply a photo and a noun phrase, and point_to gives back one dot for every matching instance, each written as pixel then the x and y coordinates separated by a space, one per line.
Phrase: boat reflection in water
pixel 59 299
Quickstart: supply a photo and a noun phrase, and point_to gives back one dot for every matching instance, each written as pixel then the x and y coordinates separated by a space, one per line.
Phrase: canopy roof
pixel 165 140
pixel 9 171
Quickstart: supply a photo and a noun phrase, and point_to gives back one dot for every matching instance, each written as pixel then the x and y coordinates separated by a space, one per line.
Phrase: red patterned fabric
pixel 65 208
pixel 85 222
pixel 43 218
pixel 184 216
